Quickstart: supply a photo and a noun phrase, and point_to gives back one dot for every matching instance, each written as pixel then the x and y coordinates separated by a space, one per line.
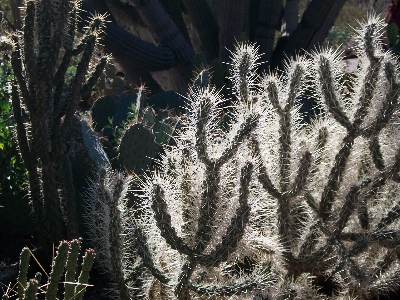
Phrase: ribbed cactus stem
pixel 23 269
pixel 70 268
pixel 83 279
pixel 57 270
pixel 31 290
pixel 29 54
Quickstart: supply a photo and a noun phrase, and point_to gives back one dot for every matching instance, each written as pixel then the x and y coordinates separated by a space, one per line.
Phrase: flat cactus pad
pixel 137 149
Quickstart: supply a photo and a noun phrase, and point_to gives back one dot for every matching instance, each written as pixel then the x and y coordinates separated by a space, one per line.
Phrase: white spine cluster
pixel 294 199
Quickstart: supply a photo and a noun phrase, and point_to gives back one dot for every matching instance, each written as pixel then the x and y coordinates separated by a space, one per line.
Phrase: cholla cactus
pixel 296 200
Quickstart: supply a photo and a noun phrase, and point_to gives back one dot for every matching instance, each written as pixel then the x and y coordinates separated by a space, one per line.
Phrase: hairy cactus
pixel 44 102
pixel 66 259
pixel 107 222
pixel 261 206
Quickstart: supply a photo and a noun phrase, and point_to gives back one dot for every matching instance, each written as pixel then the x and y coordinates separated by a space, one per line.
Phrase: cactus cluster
pixel 134 132
pixel 45 98
pixel 64 267
pixel 260 207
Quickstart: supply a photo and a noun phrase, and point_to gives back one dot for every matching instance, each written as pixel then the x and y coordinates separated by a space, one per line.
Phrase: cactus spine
pixel 295 200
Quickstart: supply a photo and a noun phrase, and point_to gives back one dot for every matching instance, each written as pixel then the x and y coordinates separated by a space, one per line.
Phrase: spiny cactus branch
pixel 330 93
pixel 164 223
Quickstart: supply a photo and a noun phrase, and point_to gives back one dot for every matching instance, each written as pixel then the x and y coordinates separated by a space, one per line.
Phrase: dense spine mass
pixel 252 201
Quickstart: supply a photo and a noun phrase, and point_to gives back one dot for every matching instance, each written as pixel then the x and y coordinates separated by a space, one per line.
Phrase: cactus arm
pixel 166 33
pixel 201 144
pixel 335 178
pixel 17 69
pixel 70 269
pixel 225 291
pixel 329 93
pixel 367 92
pixel 310 241
pixel 164 223
pixel 181 289
pixel 390 217
pixel 23 269
pixel 144 252
pixel 245 129
pixel 302 175
pixel 27 155
pixel 116 243
pixel 294 86
pixel 31 290
pixel 390 105
pixel 29 52
pixel 235 231
pixel 57 270
pixel 311 202
pixel 368 42
pixel 376 153
pixel 263 176
pixel 363 214
pixel 285 150
pixel 273 96
pixel 83 279
pixel 348 207
pixel 88 86
pixel 73 94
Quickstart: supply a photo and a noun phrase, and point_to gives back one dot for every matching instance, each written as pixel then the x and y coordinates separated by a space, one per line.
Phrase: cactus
pixel 137 149
pixel 66 257
pixel 107 219
pixel 295 200
pixel 44 102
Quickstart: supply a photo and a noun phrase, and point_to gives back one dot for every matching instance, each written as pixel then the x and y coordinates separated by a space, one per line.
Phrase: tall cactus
pixel 44 102
pixel 293 201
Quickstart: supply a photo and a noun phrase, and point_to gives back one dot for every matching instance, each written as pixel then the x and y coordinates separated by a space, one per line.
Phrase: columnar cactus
pixel 294 200
pixel 66 259
pixel 44 102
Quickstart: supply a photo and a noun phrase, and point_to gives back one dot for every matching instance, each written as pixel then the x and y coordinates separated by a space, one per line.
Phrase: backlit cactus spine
pixel 44 102
pixel 295 200
pixel 107 220
pixel 321 198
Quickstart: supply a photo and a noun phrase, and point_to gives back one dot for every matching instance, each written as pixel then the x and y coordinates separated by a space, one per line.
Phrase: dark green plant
pixel 64 266
pixel 44 102
pixel 393 36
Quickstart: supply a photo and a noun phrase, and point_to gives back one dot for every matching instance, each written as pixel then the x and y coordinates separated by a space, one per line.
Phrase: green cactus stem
pixel 57 270
pixel 70 268
pixel 23 269
pixel 83 279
